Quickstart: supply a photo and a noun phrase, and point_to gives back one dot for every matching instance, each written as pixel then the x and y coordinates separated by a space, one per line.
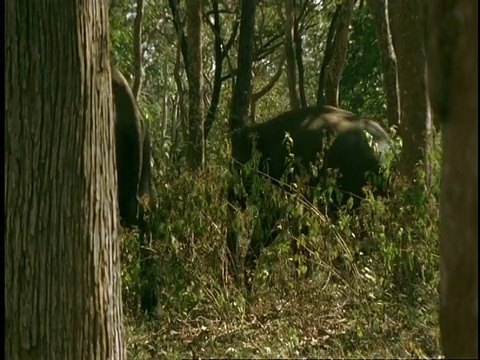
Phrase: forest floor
pixel 382 303
pixel 310 319
pixel 373 307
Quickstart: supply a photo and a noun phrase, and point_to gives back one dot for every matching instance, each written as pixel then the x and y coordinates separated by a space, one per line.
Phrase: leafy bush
pixel 373 289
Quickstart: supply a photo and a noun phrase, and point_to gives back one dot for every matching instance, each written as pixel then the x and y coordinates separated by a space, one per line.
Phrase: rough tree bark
pixel 290 54
pixel 379 9
pixel 137 48
pixel 453 80
pixel 195 150
pixel 62 255
pixel 334 70
pixel 409 45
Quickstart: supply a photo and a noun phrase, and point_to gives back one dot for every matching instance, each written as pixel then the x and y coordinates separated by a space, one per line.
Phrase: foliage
pixel 373 292
pixel 374 287
pixel 361 87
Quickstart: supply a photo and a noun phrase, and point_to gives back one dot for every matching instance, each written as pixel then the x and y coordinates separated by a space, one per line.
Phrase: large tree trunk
pixel 334 71
pixel 409 45
pixel 379 9
pixel 195 149
pixel 453 75
pixel 62 252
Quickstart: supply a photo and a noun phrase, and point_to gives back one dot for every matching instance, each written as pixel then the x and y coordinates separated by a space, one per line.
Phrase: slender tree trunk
pixel 327 58
pixel 177 120
pixel 182 41
pixel 195 148
pixel 243 84
pixel 335 68
pixel 379 9
pixel 241 145
pixel 217 81
pixel 290 54
pixel 178 124
pixel 137 49
pixel 62 252
pixel 299 60
pixel 412 81
pixel 453 75
pixel 164 120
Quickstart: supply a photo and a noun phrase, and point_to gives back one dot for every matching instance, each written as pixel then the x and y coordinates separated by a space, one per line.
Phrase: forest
pixel 241 179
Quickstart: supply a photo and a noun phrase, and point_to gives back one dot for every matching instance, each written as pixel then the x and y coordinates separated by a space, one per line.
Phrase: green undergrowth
pixel 373 292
